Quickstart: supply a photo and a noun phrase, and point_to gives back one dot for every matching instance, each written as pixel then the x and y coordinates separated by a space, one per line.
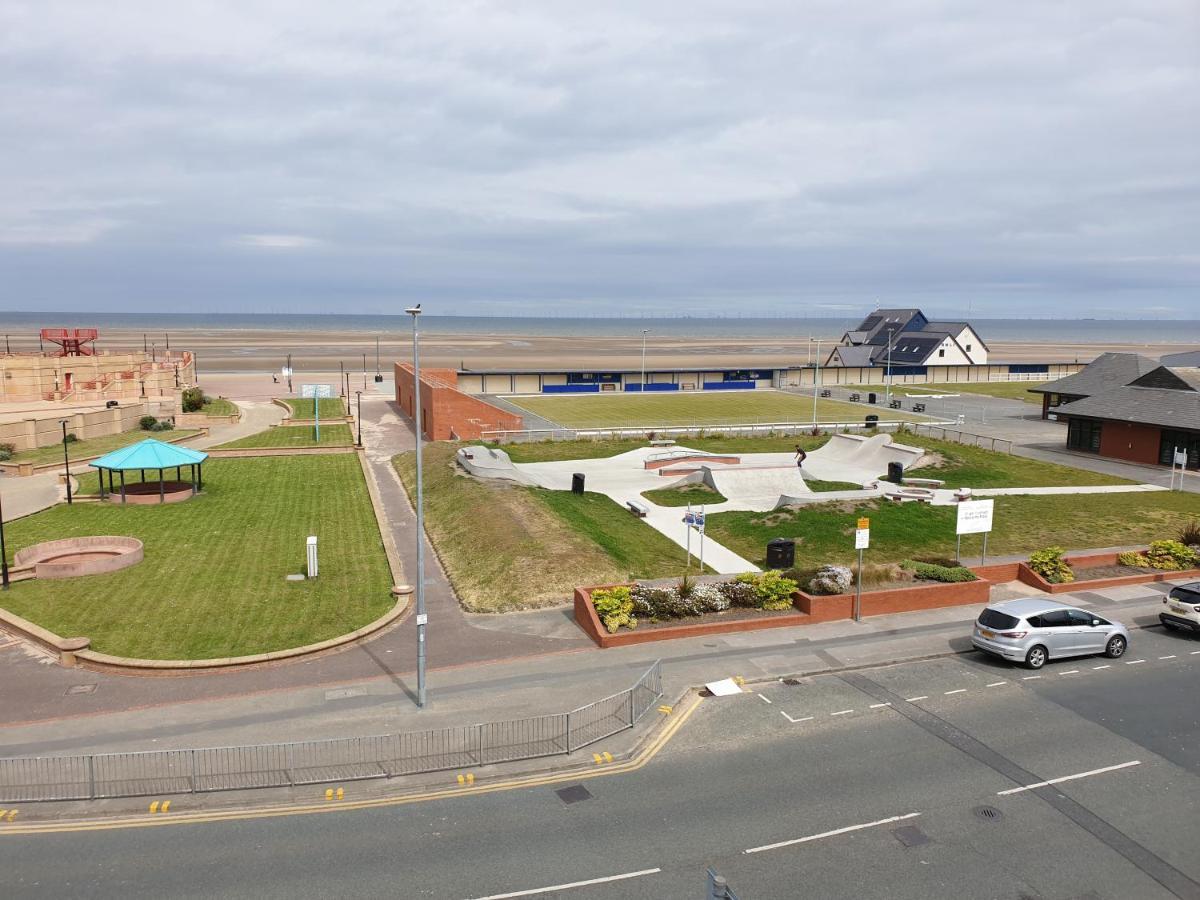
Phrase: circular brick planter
pixel 147 492
pixel 71 557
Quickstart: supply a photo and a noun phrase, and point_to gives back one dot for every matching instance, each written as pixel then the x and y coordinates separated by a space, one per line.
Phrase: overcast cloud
pixel 802 157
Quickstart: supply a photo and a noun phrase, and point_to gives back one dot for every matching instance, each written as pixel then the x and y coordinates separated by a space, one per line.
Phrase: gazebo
pixel 149 455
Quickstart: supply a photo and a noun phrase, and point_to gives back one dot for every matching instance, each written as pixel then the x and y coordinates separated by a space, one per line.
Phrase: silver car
pixel 1034 630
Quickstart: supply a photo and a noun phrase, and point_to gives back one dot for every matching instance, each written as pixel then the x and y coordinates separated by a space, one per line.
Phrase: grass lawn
pixel 818 486
pixel 824 532
pixel 97 446
pixel 212 583
pixel 507 547
pixel 548 451
pixel 694 408
pixel 219 406
pixel 695 494
pixel 330 407
pixel 1008 390
pixel 338 435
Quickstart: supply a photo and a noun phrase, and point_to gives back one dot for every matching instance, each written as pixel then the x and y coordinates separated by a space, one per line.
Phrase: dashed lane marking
pixel 955 691
pixel 1038 784
pixel 1105 666
pixel 836 831
pixel 624 876
pixel 1031 677
pixel 997 683
pixel 842 712
pixel 879 705
pixel 764 699
pixel 915 699
pixel 794 721
pixel 1133 662
pixel 1070 672
pixel 1172 656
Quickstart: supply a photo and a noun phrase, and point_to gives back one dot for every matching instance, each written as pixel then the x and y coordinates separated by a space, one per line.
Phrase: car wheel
pixel 1115 648
pixel 1036 657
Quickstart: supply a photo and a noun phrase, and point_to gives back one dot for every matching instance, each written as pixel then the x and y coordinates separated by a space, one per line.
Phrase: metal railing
pixel 697 430
pixel 1000 445
pixel 138 774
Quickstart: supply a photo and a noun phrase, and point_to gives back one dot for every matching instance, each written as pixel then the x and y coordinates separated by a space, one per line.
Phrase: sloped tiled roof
pixel 149 454
pixel 1187 358
pixel 1145 405
pixel 1106 372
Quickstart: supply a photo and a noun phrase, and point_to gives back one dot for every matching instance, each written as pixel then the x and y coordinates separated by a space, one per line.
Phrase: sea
pixel 1185 332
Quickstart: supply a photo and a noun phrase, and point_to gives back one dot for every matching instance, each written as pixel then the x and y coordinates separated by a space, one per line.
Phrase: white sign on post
pixel 1181 458
pixel 309 391
pixel 311 548
pixel 975 516
pixel 862 538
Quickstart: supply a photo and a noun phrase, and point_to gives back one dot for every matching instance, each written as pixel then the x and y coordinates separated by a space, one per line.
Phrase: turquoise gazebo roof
pixel 149 454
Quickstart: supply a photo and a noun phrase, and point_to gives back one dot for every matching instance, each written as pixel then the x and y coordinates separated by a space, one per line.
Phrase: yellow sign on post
pixel 864 522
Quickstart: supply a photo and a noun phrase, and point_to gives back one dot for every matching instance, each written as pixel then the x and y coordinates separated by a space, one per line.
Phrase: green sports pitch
pixel 695 409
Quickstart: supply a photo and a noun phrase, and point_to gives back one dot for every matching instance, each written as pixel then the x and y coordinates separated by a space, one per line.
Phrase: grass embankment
pixel 97 446
pixel 825 532
pixel 330 407
pixel 694 409
pixel 548 451
pixel 219 406
pixel 338 435
pixel 695 494
pixel 212 583
pixel 1006 390
pixel 506 547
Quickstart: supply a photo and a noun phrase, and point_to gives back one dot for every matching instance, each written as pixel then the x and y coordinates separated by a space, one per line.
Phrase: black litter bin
pixel 872 398
pixel 781 553
pixel 895 472
pixel 872 421
pixel 577 483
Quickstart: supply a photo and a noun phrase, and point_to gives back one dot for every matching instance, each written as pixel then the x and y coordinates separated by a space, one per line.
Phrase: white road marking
pixel 574 884
pixel 878 705
pixel 1030 677
pixel 956 691
pixel 914 699
pixel 1070 672
pixel 1029 787
pixel 997 683
pixel 1172 656
pixel 1105 666
pixel 794 721
pixel 825 834
pixel 1133 662
pixel 842 712
pixel 1195 652
pixel 764 699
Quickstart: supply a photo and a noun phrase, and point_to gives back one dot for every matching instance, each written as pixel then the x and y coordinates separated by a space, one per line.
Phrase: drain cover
pixel 81 689
pixel 573 794
pixel 791 682
pixel 910 836
pixel 988 812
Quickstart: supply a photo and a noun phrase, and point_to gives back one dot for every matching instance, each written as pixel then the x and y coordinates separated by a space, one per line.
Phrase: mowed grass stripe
pixel 696 409
pixel 212 583
pixel 97 446
pixel 338 435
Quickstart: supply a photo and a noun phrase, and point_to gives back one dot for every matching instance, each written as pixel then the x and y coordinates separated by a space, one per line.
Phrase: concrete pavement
pixel 33 493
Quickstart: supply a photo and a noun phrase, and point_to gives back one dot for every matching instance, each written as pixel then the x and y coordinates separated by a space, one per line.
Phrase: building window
pixel 1084 434
pixel 941 352
pixel 968 348
pixel 1187 441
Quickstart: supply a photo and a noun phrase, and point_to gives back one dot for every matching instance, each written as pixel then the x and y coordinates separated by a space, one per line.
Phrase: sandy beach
pixel 248 351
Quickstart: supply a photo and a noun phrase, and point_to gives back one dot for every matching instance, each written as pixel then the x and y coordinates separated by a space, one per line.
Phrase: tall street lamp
pixel 359 395
pixel 66 460
pixel 816 377
pixel 645 331
pixel 3 551
pixel 422 617
pixel 888 389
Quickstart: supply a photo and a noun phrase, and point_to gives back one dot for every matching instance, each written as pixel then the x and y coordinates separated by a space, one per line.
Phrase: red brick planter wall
pixel 810 609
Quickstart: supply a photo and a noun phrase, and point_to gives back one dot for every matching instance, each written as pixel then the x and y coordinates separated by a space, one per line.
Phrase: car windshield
pixel 1187 595
pixel 993 618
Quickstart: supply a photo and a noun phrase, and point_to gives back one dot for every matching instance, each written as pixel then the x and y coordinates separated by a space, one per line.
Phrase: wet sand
pixel 267 351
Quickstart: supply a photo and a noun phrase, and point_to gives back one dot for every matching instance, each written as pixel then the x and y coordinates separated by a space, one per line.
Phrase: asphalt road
pixel 786 798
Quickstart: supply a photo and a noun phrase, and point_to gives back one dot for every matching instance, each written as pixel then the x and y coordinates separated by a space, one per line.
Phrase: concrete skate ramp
pixel 756 488
pixel 485 462
pixel 853 457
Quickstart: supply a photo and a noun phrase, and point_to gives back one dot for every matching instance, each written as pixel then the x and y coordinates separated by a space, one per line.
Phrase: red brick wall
pixel 446 412
pixel 1131 441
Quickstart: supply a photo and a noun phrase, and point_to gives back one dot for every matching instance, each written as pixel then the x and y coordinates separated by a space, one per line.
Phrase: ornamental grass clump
pixel 1051 565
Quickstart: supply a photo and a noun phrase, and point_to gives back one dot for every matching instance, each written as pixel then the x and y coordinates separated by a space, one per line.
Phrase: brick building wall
pixel 446 412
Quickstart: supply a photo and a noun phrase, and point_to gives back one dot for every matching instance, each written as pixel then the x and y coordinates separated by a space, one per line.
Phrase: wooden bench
pixel 638 509
pixel 923 482
pixel 918 407
pixel 895 404
pixel 826 393
pixel 854 398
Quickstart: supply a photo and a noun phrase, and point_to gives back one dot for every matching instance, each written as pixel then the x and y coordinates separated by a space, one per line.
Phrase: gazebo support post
pixel 200 475
pixel 122 487
pixel 193 479
pixel 143 476
pixel 100 473
pixel 162 495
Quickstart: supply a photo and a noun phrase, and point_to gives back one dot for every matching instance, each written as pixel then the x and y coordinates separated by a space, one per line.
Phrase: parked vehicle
pixel 1183 607
pixel 1033 631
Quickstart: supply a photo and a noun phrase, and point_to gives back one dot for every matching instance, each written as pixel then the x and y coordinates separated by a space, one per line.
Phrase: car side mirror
pixel 1095 622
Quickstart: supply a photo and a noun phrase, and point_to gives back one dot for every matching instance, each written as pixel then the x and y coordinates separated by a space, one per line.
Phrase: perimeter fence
pixel 138 774
pixel 651 432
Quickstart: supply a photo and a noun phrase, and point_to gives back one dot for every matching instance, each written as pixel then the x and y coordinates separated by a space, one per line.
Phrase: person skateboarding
pixel 801 456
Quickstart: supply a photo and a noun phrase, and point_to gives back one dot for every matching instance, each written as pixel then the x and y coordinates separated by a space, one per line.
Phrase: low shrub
pixel 1050 564
pixel 740 594
pixel 933 572
pixel 614 606
pixel 9 448
pixel 5 455
pixel 1133 558
pixel 1171 555
pixel 193 400
pixel 771 589
pixel 147 423
pixel 163 425
pixel 71 437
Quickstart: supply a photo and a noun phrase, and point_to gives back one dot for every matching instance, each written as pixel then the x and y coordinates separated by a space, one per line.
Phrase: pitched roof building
pixel 909 339
pixel 1104 373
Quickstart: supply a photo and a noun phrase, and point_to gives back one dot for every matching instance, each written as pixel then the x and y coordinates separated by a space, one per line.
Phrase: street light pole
pixel 3 551
pixel 645 331
pixel 66 462
pixel 816 378
pixel 359 395
pixel 364 371
pixel 289 368
pixel 888 390
pixel 422 617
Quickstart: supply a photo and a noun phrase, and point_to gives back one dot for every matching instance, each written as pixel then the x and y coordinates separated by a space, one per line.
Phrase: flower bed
pixel 1081 566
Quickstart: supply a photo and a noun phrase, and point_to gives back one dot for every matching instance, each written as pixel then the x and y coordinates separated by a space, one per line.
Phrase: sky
pixel 623 158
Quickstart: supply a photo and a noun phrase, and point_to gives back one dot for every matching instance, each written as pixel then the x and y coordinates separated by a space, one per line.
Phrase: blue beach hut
pixel 149 455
